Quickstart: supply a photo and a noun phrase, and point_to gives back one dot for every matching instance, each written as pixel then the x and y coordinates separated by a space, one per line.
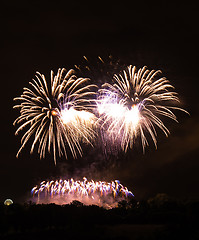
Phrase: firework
pixel 132 106
pixel 99 69
pixel 56 116
pixel 88 192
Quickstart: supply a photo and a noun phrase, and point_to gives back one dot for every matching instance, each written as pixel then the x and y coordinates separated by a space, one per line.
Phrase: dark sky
pixel 43 36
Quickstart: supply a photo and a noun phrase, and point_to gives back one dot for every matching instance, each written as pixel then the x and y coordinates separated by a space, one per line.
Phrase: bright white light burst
pixel 132 116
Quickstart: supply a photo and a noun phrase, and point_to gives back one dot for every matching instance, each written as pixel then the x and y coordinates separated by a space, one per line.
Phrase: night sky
pixel 45 36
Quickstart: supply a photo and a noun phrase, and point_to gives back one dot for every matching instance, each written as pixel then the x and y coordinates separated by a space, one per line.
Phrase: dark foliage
pixel 158 218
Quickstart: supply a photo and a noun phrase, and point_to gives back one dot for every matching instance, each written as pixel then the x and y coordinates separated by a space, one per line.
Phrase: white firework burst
pixel 133 104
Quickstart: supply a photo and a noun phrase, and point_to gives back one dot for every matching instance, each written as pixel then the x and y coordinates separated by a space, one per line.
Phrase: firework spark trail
pixel 133 105
pixel 65 191
pixel 56 116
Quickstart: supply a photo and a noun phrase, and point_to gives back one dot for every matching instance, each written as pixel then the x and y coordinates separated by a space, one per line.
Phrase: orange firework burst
pixel 58 116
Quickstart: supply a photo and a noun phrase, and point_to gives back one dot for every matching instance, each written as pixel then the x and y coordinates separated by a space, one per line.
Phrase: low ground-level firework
pixel 101 193
pixel 56 115
pixel 134 104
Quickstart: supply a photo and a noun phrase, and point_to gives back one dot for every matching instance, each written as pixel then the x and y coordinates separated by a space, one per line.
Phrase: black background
pixel 45 35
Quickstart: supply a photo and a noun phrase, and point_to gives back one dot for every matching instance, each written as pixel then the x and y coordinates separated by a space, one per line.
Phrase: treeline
pixel 30 221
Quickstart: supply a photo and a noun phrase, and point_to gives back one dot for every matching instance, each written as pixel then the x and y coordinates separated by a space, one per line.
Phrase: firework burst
pixel 56 116
pixel 133 105
pixel 89 192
